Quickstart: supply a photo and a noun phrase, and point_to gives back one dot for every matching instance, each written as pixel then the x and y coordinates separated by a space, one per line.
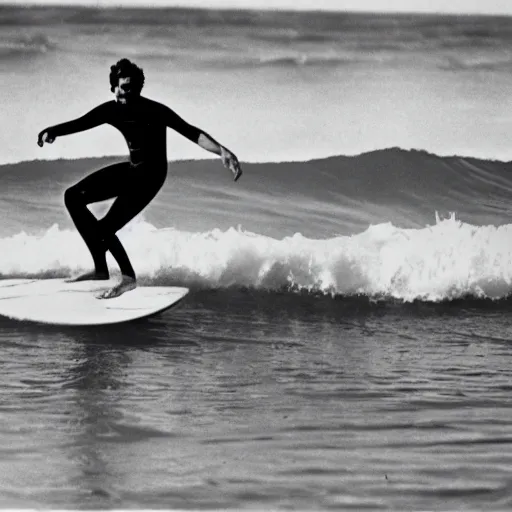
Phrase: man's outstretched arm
pixel 90 120
pixel 202 139
pixel 229 159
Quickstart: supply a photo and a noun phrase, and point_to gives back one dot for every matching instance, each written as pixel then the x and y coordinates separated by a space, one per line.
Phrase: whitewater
pixel 383 262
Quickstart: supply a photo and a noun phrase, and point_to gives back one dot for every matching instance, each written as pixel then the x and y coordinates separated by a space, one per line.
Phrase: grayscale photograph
pixel 256 255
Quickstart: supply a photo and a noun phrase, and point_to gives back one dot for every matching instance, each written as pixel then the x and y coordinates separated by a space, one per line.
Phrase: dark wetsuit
pixel 143 124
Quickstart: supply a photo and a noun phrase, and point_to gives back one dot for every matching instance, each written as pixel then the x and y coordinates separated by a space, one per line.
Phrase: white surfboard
pixel 53 301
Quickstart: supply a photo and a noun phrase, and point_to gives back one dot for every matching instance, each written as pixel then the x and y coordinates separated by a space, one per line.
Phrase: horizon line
pixel 125 7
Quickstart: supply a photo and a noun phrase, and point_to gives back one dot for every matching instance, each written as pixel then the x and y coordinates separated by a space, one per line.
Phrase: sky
pixel 426 6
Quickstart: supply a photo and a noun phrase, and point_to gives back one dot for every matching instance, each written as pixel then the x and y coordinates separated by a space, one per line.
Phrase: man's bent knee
pixel 73 196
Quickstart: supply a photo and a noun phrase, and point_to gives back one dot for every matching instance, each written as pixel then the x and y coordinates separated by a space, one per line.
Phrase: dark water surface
pixel 251 400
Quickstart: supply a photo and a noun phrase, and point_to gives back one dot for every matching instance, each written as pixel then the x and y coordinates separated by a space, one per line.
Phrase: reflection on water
pixel 239 399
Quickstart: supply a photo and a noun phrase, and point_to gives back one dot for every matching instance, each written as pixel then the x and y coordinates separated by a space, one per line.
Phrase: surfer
pixel 143 123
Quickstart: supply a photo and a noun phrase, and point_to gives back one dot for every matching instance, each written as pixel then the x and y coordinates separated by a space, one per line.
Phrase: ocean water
pixel 346 343
pixel 273 86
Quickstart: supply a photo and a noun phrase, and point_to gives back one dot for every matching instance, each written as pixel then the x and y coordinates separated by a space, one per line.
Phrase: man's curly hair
pixel 124 68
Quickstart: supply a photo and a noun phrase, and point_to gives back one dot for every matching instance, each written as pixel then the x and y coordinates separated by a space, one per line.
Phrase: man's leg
pixel 126 206
pixel 104 184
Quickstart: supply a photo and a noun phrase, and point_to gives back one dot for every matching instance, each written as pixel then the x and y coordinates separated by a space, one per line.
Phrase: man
pixel 143 123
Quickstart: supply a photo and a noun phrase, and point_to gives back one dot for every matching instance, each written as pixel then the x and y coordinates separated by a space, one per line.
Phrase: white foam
pixel 448 260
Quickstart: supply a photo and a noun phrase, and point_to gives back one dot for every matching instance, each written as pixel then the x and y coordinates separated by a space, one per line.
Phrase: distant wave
pixel 295 36
pixel 26 44
pixel 480 63
pixel 265 60
pixel 303 60
pixel 448 261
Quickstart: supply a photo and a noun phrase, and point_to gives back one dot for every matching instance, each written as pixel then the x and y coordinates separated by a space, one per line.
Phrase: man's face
pixel 124 91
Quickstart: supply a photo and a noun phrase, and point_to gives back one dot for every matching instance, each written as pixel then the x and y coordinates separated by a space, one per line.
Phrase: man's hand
pixel 231 162
pixel 43 137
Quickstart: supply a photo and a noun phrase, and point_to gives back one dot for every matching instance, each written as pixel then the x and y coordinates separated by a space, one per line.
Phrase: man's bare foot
pixel 127 283
pixel 89 276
